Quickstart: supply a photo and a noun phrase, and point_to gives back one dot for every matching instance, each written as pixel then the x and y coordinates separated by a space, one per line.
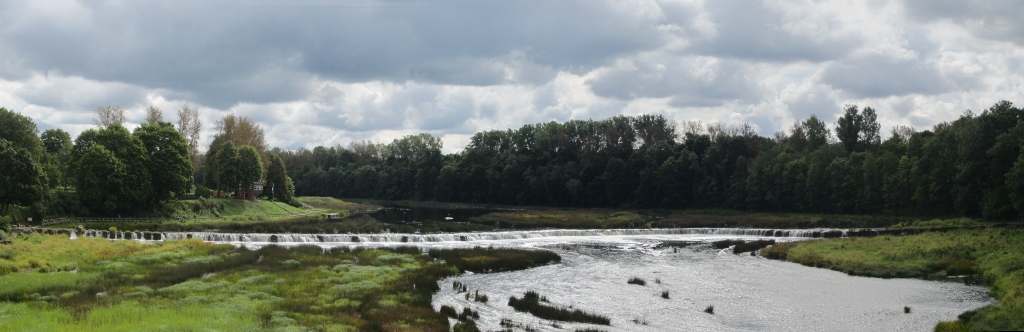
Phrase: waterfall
pixel 463 237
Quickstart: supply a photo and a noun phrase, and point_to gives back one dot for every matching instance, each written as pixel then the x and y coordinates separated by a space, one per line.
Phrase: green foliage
pixel 249 167
pixel 21 181
pixel 227 164
pixel 20 132
pixel 278 182
pixel 112 170
pixel 203 191
pixel 169 165
pixel 960 168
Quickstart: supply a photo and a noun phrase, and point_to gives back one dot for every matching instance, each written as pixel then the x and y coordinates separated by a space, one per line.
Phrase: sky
pixel 332 72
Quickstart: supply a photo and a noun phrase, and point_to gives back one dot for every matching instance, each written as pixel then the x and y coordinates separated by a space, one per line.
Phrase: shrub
pixel 203 191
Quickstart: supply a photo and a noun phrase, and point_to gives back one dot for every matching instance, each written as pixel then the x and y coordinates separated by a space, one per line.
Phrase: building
pixel 256 192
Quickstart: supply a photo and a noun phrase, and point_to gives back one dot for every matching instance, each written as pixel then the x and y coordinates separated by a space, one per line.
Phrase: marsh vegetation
pixel 90 284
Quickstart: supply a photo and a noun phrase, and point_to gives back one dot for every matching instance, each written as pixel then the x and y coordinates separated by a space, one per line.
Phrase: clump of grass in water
pixel 664 294
pixel 751 246
pixel 636 281
pixel 531 303
pixel 710 309
pixel 906 310
pixel 725 243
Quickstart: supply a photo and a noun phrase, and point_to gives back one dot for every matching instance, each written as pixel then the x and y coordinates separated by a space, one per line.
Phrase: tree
pixel 21 181
pixel 132 189
pixel 189 125
pixel 101 180
pixel 277 179
pixel 227 163
pixel 20 132
pixel 169 165
pixel 870 136
pixel 249 166
pixel 154 115
pixel 57 145
pixel 108 115
pixel 56 141
pixel 238 130
pixel 848 128
pixel 817 133
pixel 858 131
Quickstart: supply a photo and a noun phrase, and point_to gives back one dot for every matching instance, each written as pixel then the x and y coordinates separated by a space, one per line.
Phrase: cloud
pixel 880 76
pixel 995 20
pixel 688 81
pixel 225 53
pixel 763 30
pixel 318 72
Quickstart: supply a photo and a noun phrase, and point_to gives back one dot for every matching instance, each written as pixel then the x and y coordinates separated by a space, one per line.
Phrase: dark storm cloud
pixel 880 76
pixel 229 52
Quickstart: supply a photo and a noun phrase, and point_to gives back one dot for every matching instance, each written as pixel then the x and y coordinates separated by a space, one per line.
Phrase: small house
pixel 333 216
pixel 256 192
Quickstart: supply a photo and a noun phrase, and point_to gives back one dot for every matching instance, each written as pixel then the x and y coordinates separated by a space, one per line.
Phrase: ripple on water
pixel 748 293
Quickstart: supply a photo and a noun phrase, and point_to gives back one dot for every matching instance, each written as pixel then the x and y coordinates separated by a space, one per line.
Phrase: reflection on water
pixel 412 214
pixel 748 293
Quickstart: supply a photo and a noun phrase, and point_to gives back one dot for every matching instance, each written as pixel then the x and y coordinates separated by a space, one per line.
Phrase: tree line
pixel 109 171
pixel 972 166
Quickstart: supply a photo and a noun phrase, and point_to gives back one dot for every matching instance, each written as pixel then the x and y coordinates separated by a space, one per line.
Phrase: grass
pixel 530 302
pixel 191 285
pixel 994 256
pixel 334 204
pixel 636 281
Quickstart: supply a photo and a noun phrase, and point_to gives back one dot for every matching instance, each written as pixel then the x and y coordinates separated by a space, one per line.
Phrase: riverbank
pixel 992 256
pixel 93 284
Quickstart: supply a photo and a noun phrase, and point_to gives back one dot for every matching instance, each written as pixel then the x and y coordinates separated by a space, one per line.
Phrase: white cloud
pixel 326 73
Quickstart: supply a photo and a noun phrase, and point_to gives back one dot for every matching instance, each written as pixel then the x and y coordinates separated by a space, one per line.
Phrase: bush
pixel 6 223
pixel 203 191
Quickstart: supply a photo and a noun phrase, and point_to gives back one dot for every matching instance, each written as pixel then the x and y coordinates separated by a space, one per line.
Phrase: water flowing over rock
pixel 463 237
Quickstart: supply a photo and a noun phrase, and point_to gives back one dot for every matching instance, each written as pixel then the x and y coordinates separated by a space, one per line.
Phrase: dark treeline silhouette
pixel 972 166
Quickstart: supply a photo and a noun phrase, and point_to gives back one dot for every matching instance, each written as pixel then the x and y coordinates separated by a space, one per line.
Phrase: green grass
pixel 334 204
pixel 191 285
pixel 994 255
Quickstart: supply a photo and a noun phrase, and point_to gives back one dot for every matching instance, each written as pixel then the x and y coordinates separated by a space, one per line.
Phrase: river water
pixel 748 293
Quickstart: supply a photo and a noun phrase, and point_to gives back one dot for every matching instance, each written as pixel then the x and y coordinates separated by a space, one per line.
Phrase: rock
pixel 101 295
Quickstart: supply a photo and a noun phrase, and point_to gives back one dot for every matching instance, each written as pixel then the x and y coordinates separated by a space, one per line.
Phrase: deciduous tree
pixel 108 115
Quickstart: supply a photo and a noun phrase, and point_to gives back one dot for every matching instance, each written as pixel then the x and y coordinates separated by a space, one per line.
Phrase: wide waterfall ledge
pixel 694 234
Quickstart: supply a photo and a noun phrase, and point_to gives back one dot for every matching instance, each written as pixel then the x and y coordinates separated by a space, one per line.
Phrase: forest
pixel 971 166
